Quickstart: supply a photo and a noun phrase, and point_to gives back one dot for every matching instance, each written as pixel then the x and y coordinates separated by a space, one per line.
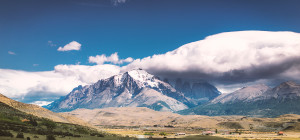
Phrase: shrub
pixel 41 132
pixel 50 137
pixel 77 136
pixel 81 130
pixel 149 133
pixel 20 135
pixel 49 124
pixel 163 133
pixel 33 122
pixel 6 133
pixel 100 135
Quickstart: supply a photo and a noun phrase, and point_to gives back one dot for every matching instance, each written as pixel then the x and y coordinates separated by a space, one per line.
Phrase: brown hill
pixel 41 112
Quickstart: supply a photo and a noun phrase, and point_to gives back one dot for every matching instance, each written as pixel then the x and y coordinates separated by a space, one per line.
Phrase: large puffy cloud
pixel 88 74
pixel 113 58
pixel 71 46
pixel 229 58
pixel 49 85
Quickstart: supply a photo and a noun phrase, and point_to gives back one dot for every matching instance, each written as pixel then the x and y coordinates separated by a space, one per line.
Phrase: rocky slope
pixel 258 100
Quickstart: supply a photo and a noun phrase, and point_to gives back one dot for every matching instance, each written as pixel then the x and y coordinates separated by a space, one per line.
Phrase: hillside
pixel 40 111
pixel 18 120
pixel 15 123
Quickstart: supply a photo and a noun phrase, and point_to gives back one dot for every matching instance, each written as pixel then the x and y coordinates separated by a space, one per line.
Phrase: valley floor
pixel 171 134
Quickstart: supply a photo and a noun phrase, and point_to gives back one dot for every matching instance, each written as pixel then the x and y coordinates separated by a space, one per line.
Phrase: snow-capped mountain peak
pixel 133 88
pixel 140 75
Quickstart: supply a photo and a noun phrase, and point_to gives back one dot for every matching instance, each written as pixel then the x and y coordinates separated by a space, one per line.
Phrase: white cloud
pixel 71 46
pixel 41 103
pixel 230 60
pixel 113 58
pixel 11 53
pixel 21 84
pixel 50 43
pixel 116 2
pixel 88 74
pixel 231 57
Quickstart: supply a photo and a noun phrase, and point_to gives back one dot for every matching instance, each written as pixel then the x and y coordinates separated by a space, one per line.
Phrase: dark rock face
pixel 197 90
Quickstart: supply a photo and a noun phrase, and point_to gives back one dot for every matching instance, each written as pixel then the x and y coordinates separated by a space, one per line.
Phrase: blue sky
pixel 136 28
pixel 31 31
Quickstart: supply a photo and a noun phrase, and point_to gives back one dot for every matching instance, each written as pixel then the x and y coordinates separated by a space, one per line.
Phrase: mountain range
pixel 137 88
pixel 257 100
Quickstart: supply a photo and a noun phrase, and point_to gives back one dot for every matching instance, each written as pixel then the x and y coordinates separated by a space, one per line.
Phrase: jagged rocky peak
pixel 254 88
pixel 286 90
pixel 288 84
pixel 140 76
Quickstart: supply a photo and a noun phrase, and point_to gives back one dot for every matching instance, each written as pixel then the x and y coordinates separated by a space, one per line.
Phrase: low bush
pixel 100 135
pixel 20 135
pixel 50 137
pixel 6 133
pixel 77 136
pixel 163 133
pixel 149 133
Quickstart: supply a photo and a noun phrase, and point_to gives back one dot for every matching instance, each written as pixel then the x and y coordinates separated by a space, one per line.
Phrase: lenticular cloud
pixel 231 57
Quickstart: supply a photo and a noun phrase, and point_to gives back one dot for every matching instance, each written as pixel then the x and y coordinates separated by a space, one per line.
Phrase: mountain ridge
pixel 264 102
pixel 135 88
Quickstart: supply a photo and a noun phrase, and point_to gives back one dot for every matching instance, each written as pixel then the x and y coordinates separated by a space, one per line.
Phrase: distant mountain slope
pixel 132 88
pixel 258 100
pixel 246 94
